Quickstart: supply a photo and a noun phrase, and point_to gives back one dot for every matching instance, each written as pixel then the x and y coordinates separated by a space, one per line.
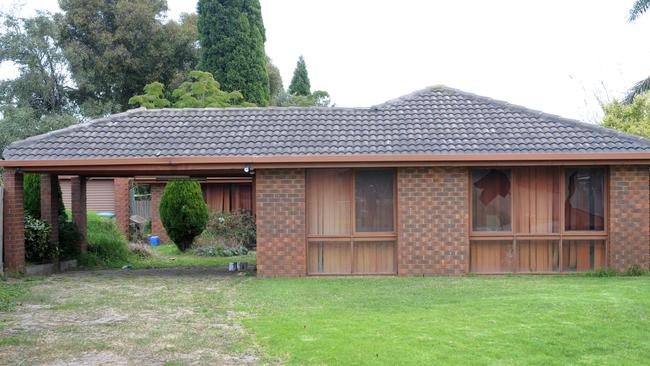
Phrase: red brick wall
pixel 433 221
pixel 629 237
pixel 122 213
pixel 49 205
pixel 157 227
pixel 280 203
pixel 13 222
pixel 78 207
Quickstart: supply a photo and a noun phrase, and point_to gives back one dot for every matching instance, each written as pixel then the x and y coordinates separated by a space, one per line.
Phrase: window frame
pixel 354 235
pixel 561 235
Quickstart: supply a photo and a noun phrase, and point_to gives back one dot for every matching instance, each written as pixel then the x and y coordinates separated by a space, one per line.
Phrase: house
pixel 436 182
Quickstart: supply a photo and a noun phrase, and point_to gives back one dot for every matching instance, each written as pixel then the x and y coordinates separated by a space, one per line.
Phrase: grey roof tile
pixel 436 120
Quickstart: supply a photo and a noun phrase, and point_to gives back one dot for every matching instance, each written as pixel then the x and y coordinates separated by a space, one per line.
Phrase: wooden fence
pixel 140 204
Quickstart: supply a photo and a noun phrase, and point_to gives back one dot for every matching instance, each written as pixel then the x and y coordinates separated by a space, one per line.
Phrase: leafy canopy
pixel 232 36
pixel 638 8
pixel 200 90
pixel 633 118
pixel 300 84
pixel 183 212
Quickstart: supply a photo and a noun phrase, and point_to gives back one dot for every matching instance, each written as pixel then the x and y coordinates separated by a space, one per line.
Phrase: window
pixel 538 220
pixel 585 199
pixel 351 221
pixel 491 200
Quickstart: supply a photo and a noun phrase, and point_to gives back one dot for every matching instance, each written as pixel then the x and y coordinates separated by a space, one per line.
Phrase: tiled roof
pixel 436 120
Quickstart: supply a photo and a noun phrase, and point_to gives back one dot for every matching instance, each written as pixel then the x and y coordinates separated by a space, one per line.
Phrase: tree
pixel 32 195
pixel 116 47
pixel 319 98
pixel 275 81
pixel 183 212
pixel 153 97
pixel 300 82
pixel 232 36
pixel 639 8
pixel 199 90
pixel 42 83
pixel 633 118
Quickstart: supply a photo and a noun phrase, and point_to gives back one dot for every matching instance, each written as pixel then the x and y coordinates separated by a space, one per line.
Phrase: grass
pixel 196 316
pixel 9 293
pixel 165 256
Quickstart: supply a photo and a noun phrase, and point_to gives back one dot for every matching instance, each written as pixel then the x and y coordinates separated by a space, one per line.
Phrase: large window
pixel 538 219
pixel 351 221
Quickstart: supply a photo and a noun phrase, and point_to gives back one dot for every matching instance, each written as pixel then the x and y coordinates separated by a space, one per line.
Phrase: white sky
pixel 553 55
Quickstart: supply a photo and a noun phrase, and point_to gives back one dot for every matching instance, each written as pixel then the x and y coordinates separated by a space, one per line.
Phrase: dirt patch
pixel 116 317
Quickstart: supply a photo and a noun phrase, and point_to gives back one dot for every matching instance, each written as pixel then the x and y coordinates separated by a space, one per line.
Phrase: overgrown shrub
pixel 140 250
pixel 219 251
pixel 235 229
pixel 32 195
pixel 37 245
pixel 106 244
pixel 183 212
pixel 602 272
pixel 634 270
pixel 69 238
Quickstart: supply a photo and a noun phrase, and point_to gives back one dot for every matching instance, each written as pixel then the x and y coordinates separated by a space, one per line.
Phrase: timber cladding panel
pixel 280 202
pixel 629 217
pixel 433 221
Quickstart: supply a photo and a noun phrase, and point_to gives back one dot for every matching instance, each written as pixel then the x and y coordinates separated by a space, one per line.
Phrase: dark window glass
pixel 585 199
pixel 491 198
pixel 373 197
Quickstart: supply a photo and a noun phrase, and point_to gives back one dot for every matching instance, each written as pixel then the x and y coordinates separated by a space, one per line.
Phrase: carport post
pixel 50 209
pixel 14 221
pixel 79 214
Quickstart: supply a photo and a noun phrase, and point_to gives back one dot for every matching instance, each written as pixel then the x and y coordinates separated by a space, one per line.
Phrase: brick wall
pixel 13 225
pixel 78 206
pixel 157 227
pixel 280 204
pixel 122 212
pixel 49 206
pixel 433 219
pixel 629 214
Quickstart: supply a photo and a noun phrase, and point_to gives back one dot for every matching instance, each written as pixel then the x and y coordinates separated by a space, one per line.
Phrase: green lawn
pixel 201 316
pixel 166 256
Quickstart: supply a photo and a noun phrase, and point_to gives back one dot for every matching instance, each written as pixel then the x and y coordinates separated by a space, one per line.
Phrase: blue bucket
pixel 154 241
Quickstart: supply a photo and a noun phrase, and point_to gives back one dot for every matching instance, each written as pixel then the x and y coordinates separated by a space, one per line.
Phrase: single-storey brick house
pixel 437 182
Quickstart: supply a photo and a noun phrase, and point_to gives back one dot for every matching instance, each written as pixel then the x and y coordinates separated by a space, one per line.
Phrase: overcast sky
pixel 558 56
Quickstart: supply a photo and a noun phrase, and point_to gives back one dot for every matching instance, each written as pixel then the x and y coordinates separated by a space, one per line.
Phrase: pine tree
pixel 232 36
pixel 300 81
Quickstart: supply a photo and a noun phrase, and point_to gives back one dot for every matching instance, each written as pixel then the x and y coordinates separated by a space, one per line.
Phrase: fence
pixel 2 265
pixel 140 204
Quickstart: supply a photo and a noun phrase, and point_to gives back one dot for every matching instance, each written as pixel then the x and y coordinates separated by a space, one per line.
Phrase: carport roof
pixel 431 123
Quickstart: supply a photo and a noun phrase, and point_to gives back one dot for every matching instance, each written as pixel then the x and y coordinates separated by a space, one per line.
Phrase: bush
pixel 106 244
pixel 234 229
pixel 69 238
pixel 32 197
pixel 602 272
pixel 219 251
pixel 183 212
pixel 634 270
pixel 37 244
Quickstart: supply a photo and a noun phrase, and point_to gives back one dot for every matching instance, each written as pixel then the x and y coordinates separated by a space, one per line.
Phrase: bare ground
pixel 137 317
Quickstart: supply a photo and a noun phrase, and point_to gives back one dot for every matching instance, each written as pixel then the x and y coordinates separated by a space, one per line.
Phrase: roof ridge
pixel 32 139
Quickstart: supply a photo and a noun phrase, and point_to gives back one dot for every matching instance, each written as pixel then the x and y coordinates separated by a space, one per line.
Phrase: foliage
pixel 232 36
pixel 37 244
pixel 106 244
pixel 276 86
pixel 220 251
pixel 32 195
pixel 116 47
pixel 183 212
pixel 631 118
pixel 319 98
pixel 638 8
pixel 634 270
pixel 141 251
pixel 300 84
pixel 153 97
pixel 602 272
pixel 69 238
pixel 201 91
pixel 9 294
pixel 23 122
pixel 42 84
pixel 233 229
pixel 166 256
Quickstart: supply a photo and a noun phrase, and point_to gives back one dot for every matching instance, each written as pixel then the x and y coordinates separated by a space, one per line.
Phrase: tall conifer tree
pixel 300 82
pixel 232 36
